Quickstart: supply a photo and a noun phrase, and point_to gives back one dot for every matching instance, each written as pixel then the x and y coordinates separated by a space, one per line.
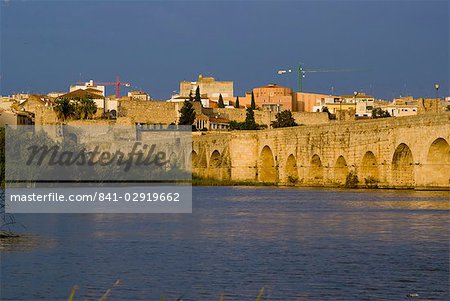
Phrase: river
pixel 299 244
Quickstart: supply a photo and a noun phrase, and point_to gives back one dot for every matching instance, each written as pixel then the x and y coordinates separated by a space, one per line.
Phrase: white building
pixel 179 98
pixel 88 85
pixel 361 103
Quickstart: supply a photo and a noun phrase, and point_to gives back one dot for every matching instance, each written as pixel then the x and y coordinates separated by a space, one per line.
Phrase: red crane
pixel 117 84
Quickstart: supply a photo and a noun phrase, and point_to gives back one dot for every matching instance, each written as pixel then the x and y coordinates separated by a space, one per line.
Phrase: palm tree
pixel 64 109
pixel 86 108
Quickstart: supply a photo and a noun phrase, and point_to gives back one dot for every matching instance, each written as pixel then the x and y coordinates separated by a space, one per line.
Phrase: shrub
pixel 371 182
pixel 292 180
pixel 352 180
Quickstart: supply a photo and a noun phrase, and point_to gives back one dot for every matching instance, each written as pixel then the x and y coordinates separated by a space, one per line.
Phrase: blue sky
pixel 397 47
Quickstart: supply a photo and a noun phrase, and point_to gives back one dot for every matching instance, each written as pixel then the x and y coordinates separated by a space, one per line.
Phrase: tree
pixel 86 108
pixel 380 113
pixel 187 114
pixel 250 123
pixel 284 119
pixel 191 98
pixel 197 94
pixel 253 104
pixel 237 103
pixel 447 108
pixel 221 104
pixel 64 109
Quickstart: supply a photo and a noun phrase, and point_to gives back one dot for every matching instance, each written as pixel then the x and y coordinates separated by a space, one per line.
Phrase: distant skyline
pixel 397 47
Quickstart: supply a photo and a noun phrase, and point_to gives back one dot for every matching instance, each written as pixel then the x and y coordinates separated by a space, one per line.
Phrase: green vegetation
pixel 380 113
pixel 221 104
pixel 80 108
pixel 292 180
pixel 85 108
pixel 248 124
pixel 200 181
pixel 352 180
pixel 64 109
pixel 191 98
pixel 330 115
pixel 371 182
pixel 284 119
pixel 187 114
pixel 447 108
pixel 237 103
pixel 253 104
pixel 198 97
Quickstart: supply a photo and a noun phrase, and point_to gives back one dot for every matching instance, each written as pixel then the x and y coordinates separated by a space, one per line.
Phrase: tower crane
pixel 301 73
pixel 117 84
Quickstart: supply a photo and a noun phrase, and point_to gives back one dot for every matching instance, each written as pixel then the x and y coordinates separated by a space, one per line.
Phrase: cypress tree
pixel 197 94
pixel 253 104
pixel 237 103
pixel 250 123
pixel 284 119
pixel 221 104
pixel 187 114
pixel 190 97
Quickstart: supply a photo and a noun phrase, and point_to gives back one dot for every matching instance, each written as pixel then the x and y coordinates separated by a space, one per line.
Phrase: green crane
pixel 301 73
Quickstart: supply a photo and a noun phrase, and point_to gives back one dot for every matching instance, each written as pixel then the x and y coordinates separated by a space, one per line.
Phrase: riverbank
pixel 6 234
pixel 199 181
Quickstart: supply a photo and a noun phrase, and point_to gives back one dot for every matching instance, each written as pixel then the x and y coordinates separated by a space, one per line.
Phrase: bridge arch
pixel 369 168
pixel 267 171
pixel 194 159
pixel 291 170
pixel 215 163
pixel 340 170
pixel 403 166
pixel 316 169
pixel 198 161
pixel 437 168
pixel 173 161
pixel 215 159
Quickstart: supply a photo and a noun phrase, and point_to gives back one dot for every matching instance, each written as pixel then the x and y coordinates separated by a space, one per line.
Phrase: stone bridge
pixel 406 152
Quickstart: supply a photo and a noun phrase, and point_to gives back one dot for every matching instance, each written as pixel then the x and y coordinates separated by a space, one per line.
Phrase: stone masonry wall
pixel 406 152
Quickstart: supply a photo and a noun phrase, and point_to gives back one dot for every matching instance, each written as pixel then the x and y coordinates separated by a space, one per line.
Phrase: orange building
pixel 272 96
pixel 278 98
pixel 305 102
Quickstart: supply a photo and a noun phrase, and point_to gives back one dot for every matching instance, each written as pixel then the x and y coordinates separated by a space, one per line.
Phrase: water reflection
pixel 300 244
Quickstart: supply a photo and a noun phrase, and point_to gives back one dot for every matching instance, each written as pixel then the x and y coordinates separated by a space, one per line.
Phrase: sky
pixel 392 48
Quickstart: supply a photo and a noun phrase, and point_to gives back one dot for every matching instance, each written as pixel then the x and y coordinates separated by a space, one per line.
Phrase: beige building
pixel 209 88
pixel 15 118
pixel 138 95
pixel 55 94
pixel 211 123
pixel 361 104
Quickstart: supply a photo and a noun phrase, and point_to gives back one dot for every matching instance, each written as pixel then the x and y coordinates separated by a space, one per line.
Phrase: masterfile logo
pixel 97 154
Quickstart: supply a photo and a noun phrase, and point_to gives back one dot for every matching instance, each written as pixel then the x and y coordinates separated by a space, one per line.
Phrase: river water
pixel 299 244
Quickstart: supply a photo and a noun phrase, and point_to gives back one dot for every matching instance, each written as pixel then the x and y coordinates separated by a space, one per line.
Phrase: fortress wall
pixel 265 117
pixel 142 111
